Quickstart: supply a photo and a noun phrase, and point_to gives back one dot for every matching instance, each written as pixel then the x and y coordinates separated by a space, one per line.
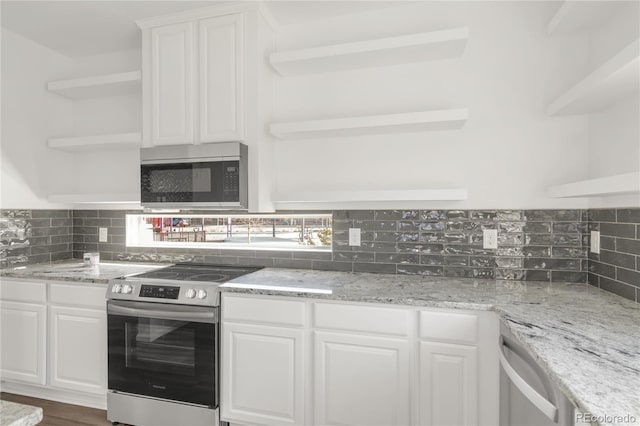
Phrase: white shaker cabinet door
pixel 172 84
pixel 221 89
pixel 448 384
pixel 78 349
pixel 23 342
pixel 361 380
pixel 262 375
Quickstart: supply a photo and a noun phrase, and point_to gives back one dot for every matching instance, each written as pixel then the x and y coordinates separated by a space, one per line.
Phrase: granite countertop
pixel 586 339
pixel 75 270
pixel 14 414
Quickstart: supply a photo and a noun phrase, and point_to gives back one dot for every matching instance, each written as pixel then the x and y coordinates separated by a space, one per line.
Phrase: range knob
pixel 202 294
pixel 190 293
pixel 126 289
pixel 117 288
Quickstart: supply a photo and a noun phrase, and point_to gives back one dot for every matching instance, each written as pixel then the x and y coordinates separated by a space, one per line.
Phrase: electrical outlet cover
pixel 595 241
pixel 490 238
pixel 354 236
pixel 102 235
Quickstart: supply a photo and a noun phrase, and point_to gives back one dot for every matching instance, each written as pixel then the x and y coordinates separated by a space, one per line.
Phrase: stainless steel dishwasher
pixel 527 396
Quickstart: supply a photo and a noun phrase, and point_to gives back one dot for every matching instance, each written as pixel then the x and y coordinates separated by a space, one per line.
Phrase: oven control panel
pixel 159 291
pixel 180 294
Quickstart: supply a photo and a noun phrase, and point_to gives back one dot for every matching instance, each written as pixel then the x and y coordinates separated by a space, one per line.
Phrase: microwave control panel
pixel 231 180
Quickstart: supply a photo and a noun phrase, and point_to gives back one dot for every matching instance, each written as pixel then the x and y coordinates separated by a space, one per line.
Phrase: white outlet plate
pixel 102 235
pixel 354 236
pixel 595 241
pixel 490 238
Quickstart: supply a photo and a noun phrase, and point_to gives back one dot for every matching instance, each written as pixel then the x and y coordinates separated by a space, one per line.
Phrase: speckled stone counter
pixel 588 340
pixel 14 414
pixel 74 270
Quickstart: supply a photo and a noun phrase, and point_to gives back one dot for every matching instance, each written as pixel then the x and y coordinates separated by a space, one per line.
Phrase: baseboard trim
pixel 60 395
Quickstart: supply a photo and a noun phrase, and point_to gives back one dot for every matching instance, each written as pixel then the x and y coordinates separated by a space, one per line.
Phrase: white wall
pixel 614 134
pixel 509 151
pixel 30 115
pixel 111 172
pixel 507 155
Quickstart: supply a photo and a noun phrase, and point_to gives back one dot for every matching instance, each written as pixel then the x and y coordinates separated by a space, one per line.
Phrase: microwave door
pixel 166 183
pixel 190 184
pixel 206 181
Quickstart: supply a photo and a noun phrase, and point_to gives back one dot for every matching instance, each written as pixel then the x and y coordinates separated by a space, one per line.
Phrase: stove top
pixel 182 283
pixel 197 272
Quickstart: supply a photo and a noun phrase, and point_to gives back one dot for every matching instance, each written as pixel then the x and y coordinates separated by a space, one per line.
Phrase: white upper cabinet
pixel 199 67
pixel 172 79
pixel 221 79
pixel 197 81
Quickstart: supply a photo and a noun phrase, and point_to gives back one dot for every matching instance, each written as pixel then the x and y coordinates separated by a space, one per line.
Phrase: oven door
pixel 212 183
pixel 164 351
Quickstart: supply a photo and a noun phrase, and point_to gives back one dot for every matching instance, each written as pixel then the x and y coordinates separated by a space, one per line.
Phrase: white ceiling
pixel 82 28
pixel 85 27
pixel 288 12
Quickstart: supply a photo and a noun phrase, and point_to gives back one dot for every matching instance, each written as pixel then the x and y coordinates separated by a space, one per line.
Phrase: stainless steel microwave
pixel 194 176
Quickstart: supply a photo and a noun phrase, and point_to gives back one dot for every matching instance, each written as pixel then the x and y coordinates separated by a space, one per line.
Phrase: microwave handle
pixel 170 312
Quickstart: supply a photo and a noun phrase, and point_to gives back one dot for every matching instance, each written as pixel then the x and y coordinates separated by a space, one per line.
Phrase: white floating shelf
pixel 371 196
pixel 96 198
pixel 576 15
pixel 614 80
pixel 627 183
pixel 448 119
pixel 97 143
pixel 117 84
pixel 372 53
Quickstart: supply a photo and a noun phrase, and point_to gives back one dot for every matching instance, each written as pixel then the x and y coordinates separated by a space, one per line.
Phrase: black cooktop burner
pixel 162 275
pixel 199 272
pixel 209 277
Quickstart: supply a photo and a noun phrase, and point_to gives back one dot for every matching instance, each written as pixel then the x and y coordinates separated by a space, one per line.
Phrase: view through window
pixel 287 232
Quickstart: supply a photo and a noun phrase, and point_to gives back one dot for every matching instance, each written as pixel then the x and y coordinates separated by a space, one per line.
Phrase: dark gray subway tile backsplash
pixel 532 244
pixel 617 267
pixel 545 245
pixel 35 236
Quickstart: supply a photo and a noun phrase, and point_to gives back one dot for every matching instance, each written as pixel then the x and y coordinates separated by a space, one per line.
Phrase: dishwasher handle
pixel 541 403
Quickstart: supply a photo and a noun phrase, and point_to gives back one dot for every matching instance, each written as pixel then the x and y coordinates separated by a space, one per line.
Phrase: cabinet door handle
pixel 540 402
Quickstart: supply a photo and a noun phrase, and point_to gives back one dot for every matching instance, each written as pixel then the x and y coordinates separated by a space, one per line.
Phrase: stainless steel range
pixel 163 329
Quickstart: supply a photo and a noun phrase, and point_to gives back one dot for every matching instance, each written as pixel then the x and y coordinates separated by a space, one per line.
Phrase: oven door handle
pixel 171 312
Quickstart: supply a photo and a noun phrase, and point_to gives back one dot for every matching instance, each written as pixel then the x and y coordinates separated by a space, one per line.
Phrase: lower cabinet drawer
pixel 85 295
pixel 23 291
pixel 270 311
pixel 367 319
pixel 453 327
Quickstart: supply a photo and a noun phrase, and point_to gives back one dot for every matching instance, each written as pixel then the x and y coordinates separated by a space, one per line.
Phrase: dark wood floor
pixel 59 414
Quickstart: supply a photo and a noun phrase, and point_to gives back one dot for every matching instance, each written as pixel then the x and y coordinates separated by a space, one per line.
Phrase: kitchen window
pixel 286 232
